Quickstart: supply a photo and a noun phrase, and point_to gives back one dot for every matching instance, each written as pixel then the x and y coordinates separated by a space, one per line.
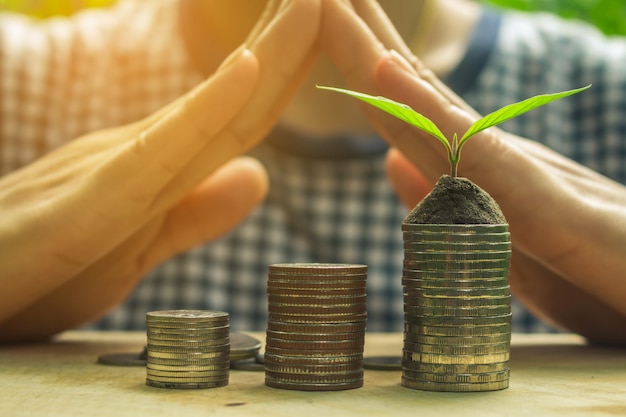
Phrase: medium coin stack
pixel 187 349
pixel 316 326
pixel 457 307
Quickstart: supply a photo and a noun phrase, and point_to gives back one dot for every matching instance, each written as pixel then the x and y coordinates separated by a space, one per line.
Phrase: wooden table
pixel 551 375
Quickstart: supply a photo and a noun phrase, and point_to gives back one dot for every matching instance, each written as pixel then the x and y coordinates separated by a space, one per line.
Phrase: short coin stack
pixel 316 326
pixel 187 349
pixel 457 326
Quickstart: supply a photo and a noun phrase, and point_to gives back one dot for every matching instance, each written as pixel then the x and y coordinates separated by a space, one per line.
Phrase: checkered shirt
pixel 63 78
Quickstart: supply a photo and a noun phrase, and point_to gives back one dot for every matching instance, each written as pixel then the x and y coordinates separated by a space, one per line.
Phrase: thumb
pixel 218 204
pixel 407 181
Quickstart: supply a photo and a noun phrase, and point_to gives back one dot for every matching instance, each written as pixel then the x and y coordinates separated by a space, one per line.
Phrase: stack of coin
pixel 187 349
pixel 316 326
pixel 457 305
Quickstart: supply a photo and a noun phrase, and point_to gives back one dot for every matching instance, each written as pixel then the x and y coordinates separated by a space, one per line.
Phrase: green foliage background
pixel 608 15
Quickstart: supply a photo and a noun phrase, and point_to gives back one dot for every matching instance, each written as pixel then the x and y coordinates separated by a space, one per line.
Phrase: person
pixel 92 217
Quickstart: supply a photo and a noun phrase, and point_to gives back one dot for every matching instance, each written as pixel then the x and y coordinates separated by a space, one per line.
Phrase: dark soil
pixel 456 200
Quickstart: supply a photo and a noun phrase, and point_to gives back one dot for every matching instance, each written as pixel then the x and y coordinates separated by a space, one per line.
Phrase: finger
pixel 407 181
pixel 166 147
pixel 563 304
pixel 285 51
pixel 213 208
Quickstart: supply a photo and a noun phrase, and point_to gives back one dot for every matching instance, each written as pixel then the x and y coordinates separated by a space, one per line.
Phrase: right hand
pixel 83 224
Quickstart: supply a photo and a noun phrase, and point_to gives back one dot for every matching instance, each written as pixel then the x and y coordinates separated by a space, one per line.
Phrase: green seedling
pixel 410 116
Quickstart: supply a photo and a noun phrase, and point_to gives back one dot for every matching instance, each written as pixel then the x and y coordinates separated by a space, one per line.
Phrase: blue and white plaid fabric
pixel 318 209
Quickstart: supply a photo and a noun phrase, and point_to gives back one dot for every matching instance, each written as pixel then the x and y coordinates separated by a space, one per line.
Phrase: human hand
pixel 83 224
pixel 567 223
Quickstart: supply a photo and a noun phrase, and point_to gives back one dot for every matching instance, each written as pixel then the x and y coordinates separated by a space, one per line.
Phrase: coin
pixel 457 331
pixel 463 292
pixel 445 274
pixel 457 256
pixel 460 265
pixel 190 368
pixel 457 378
pixel 455 239
pixel 453 229
pixel 210 374
pixel 453 369
pixel 317 268
pixel 318 319
pixel 186 316
pixel 420 246
pixel 329 369
pixel 450 387
pixel 326 337
pixel 308 360
pixel 486 311
pixel 456 302
pixel 349 351
pixel 270 382
pixel 316 345
pixel 458 340
pixel 490 349
pixel 317 328
pixel 185 385
pixel 455 283
pixel 441 321
pixel 382 363
pixel 455 359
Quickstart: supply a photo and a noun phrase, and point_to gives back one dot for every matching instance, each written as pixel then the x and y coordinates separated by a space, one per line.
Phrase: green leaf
pixel 514 110
pixel 398 110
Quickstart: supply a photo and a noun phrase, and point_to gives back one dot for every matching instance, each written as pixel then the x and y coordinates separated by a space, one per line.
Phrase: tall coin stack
pixel 187 349
pixel 316 326
pixel 457 305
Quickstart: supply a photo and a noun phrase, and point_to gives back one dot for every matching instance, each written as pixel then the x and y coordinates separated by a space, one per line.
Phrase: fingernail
pixel 401 61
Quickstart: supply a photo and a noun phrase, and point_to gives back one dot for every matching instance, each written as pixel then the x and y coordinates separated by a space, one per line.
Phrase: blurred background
pixel 608 15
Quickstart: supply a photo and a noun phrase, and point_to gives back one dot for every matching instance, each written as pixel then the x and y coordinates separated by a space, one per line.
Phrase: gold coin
pixel 454 368
pixel 301 337
pixel 440 321
pixel 456 302
pixel 314 360
pixel 186 385
pixel 445 229
pixel 419 246
pixel 455 359
pixel 457 331
pixel 450 387
pixel 323 328
pixel 317 268
pixel 458 340
pixel 489 311
pixel 457 378
pixel 457 256
pixel 418 284
pixel 457 350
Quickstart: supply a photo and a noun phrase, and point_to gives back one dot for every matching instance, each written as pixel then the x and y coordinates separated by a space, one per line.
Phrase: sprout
pixel 410 116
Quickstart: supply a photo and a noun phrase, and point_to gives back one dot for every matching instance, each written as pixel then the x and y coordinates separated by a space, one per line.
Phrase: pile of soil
pixel 456 200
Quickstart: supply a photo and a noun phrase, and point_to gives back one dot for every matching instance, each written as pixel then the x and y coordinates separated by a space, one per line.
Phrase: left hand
pixel 568 224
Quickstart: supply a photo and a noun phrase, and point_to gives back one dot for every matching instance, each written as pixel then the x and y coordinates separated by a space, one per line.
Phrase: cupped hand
pixel 83 224
pixel 568 224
